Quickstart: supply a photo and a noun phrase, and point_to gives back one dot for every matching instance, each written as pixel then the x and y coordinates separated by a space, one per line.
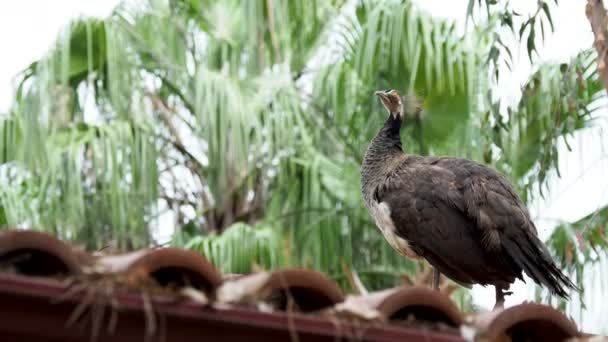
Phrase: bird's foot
pixel 500 297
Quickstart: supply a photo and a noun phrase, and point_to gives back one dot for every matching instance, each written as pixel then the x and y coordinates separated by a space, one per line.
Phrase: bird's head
pixel 392 102
pixel 395 105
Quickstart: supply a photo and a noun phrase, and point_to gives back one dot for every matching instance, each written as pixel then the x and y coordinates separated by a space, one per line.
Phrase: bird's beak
pixel 382 95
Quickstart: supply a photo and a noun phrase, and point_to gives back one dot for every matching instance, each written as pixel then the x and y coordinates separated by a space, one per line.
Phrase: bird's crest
pixel 398 105
pixel 412 105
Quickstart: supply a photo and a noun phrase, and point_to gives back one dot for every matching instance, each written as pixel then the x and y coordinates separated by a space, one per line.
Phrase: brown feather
pixel 463 217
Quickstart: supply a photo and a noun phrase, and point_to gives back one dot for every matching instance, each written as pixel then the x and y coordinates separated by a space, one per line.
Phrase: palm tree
pixel 257 114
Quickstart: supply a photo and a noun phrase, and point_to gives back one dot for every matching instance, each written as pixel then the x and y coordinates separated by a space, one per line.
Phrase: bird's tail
pixel 529 253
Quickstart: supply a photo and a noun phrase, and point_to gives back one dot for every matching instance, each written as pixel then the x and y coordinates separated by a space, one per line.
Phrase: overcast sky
pixel 28 28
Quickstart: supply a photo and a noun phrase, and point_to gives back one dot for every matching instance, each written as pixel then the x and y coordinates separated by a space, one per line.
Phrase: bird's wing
pixel 474 209
pixel 428 210
pixel 488 198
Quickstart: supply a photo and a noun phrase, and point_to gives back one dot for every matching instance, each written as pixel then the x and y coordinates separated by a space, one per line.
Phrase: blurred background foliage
pixel 237 128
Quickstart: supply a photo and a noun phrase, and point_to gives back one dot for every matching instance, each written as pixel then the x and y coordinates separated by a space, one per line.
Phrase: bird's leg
pixel 436 278
pixel 500 297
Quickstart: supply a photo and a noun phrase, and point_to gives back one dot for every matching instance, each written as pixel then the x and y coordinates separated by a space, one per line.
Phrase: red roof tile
pixel 420 302
pixel 533 321
pixel 36 253
pixel 167 266
pixel 310 290
pixel 179 295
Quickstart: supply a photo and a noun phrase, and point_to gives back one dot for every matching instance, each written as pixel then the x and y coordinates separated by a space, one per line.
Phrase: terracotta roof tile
pixel 282 305
pixel 529 320
pixel 166 266
pixel 422 303
pixel 39 254
pixel 310 290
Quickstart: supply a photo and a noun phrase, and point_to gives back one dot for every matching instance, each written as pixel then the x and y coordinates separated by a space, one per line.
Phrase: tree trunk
pixel 596 13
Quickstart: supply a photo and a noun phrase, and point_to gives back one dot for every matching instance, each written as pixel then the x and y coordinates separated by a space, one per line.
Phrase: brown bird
pixel 463 217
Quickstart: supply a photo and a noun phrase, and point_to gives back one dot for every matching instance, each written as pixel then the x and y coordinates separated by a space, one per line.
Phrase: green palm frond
pixel 241 247
pixel 400 47
pixel 558 100
pixel 580 249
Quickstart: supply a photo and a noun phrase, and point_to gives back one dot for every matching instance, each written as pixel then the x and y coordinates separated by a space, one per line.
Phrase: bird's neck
pixel 385 146
pixel 388 139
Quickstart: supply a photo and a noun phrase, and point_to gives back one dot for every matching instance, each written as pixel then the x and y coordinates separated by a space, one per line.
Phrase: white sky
pixel 28 28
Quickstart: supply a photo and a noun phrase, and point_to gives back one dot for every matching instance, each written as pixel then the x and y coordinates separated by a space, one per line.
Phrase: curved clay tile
pixel 420 303
pixel 166 266
pixel 525 322
pixel 310 290
pixel 39 254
